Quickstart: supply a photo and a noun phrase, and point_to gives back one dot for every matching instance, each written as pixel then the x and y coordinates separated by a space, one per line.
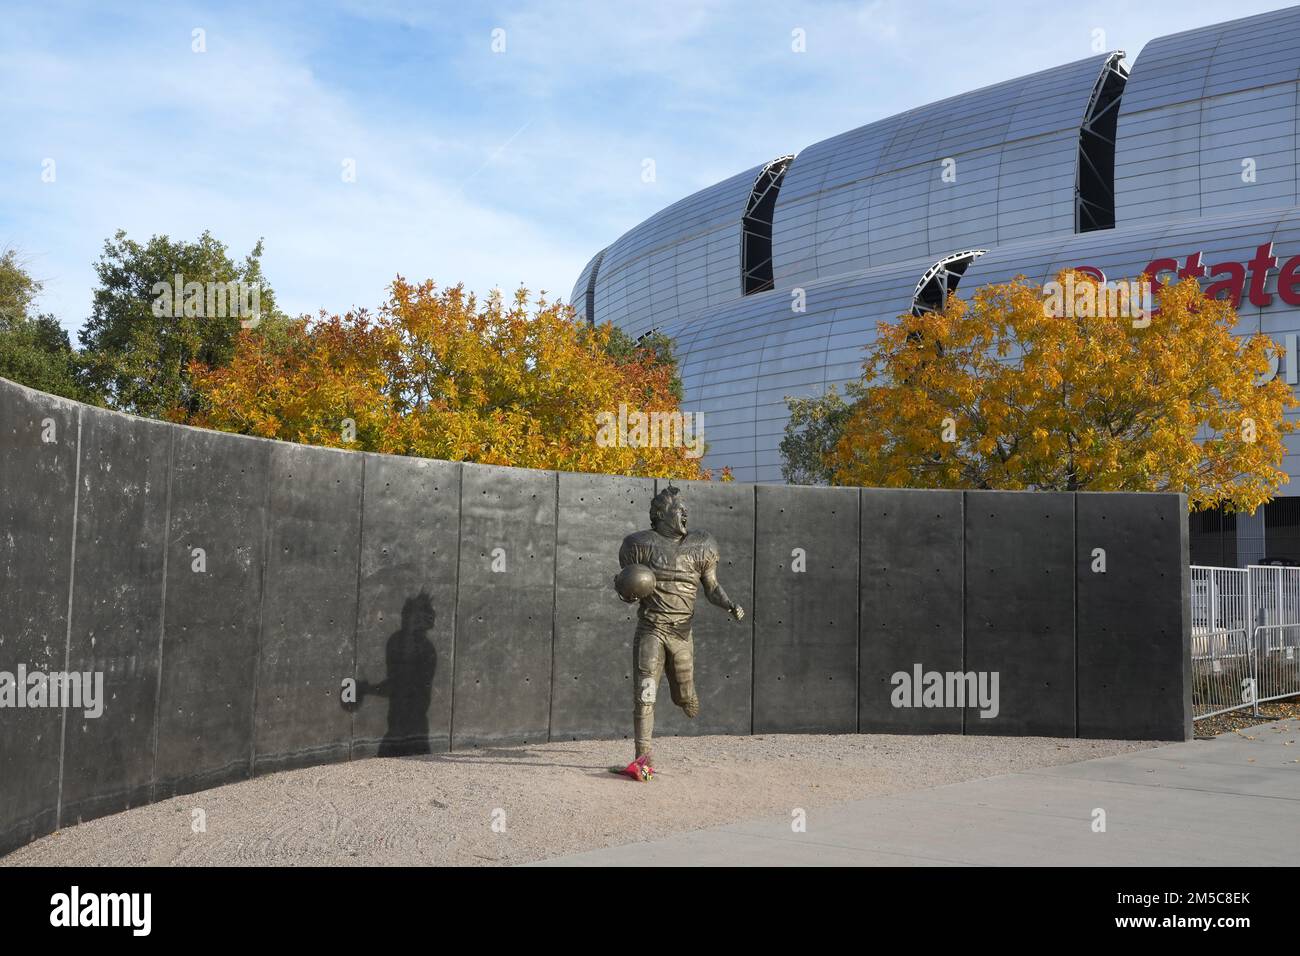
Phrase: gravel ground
pixel 1239 719
pixel 507 806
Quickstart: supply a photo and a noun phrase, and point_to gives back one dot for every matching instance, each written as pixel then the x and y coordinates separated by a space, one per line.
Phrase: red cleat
pixel 640 769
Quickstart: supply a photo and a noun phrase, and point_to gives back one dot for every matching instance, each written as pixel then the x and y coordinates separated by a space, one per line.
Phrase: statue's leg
pixel 647 668
pixel 681 673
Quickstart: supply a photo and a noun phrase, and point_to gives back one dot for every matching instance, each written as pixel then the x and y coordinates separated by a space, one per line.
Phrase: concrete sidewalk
pixel 1234 800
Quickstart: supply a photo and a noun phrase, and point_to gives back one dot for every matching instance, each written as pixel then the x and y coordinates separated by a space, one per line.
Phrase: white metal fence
pixel 1245 637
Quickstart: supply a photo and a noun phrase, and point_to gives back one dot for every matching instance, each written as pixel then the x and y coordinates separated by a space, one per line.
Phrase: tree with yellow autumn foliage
pixel 1004 392
pixel 441 373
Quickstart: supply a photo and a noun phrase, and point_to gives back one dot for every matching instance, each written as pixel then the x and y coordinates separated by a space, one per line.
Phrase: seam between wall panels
pixel 455 606
pixel 753 604
pixel 1200 126
pixel 1075 600
pixel 962 517
pixel 261 609
pixel 997 190
pixel 356 617
pixel 555 586
pixel 67 641
pixel 857 616
pixel 162 612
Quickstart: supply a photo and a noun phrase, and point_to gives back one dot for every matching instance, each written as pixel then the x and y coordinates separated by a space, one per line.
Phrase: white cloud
pixel 488 168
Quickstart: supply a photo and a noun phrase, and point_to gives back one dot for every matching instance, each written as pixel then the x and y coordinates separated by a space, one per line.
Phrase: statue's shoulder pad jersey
pixel 639 540
pixel 640 547
pixel 703 547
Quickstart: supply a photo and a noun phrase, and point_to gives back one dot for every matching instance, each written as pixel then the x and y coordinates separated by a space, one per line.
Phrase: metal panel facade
pixel 682 259
pixel 993 165
pixel 579 299
pixel 1207 123
pixel 1206 161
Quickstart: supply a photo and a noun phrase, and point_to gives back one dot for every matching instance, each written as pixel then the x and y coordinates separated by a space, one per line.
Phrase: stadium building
pixel 1188 163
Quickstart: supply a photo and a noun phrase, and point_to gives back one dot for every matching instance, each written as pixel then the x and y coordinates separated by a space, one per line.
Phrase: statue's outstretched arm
pixel 713 591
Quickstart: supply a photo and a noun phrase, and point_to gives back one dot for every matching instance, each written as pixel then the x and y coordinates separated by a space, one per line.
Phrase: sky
pixel 492 144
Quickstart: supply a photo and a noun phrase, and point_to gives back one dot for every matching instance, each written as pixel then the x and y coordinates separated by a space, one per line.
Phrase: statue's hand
pixel 737 612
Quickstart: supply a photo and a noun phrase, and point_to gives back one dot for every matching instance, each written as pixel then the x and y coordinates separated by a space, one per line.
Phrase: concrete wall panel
pixel 594 688
pixel 38 461
pixel 309 608
pixel 215 552
pixel 806 610
pixel 407 618
pixel 1020 609
pixel 504 619
pixel 117 602
pixel 1132 644
pixel 911 603
pixel 724 648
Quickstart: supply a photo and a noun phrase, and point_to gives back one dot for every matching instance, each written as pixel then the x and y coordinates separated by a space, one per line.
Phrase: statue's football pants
pixel 660 648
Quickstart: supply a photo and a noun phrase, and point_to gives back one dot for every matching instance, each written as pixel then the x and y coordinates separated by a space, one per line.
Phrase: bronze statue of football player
pixel 663 568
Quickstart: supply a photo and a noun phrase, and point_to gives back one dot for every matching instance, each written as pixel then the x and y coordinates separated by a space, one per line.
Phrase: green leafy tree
pixel 811 434
pixel 34 349
pixel 163 305
pixel 18 290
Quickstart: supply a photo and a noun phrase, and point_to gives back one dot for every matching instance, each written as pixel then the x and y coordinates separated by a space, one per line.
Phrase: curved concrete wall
pixel 227 586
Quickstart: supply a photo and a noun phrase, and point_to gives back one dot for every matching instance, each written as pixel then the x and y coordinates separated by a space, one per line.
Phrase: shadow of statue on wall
pixel 410 661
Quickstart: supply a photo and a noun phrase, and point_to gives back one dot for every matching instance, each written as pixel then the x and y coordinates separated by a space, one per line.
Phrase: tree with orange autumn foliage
pixel 999 392
pixel 440 373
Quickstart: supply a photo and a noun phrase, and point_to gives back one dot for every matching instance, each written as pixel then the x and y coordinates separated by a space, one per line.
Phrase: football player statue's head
pixel 668 513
